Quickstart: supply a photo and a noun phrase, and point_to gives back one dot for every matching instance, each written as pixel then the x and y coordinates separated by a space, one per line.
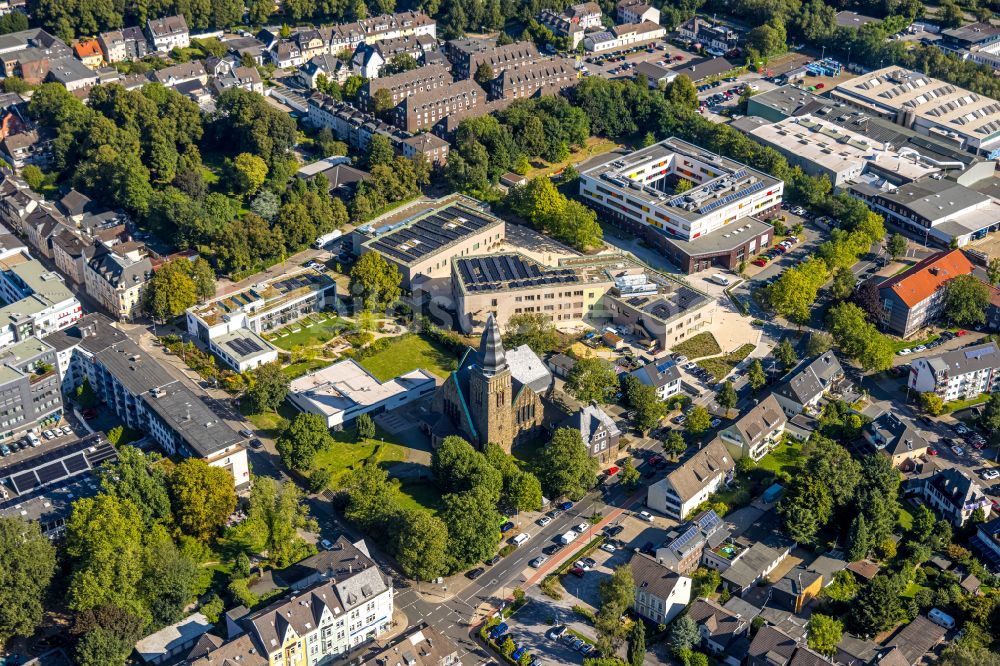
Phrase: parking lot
pixel 621 63
pixel 22 448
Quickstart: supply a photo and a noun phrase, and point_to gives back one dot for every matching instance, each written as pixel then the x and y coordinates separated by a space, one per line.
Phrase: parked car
pixel 614 530
pixel 646 515
pixel 543 521
pixel 904 352
pixel 581 528
pixel 518 653
pixel 556 632
pixel 958 450
pixel 552 549
pixel 506 527
pixel 608 547
pixel 475 573
pixel 538 561
pixel 493 560
pixel 565 506
pixel 716 422
pixel 991 474
pixel 577 571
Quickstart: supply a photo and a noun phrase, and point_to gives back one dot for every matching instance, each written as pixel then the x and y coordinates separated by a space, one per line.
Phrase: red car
pixel 577 571
pixel 820 86
pixel 961 333
pixel 612 470
pixel 932 452
pixel 655 459
pixel 759 262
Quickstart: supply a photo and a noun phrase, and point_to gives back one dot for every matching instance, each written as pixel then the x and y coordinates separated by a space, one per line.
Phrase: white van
pixel 941 618
pixel 520 538
pixel 721 279
pixel 568 538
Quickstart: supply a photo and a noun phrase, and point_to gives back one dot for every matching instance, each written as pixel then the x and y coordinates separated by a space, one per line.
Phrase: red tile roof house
pixel 914 298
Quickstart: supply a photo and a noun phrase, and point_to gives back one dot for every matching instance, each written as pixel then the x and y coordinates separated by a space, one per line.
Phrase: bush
pixel 551 588
pixel 213 608
pixel 239 590
pixel 507 550
pixel 585 613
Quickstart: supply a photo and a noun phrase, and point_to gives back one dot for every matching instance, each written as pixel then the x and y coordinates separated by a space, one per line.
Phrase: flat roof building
pixel 422 238
pixel 927 105
pixel 343 391
pixel 640 192
pixel 821 148
pixel 508 284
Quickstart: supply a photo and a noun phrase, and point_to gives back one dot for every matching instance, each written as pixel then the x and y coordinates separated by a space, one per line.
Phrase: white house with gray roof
pixel 758 431
pixel 599 432
pixel 802 391
pixel 690 484
pixel 660 594
pixel 663 375
pixel 961 374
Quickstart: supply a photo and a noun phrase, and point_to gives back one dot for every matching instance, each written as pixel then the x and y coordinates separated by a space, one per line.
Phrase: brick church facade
pixel 490 400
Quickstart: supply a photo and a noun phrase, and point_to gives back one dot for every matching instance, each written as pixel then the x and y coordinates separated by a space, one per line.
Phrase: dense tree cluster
pixel 566 468
pixel 178 285
pixel 489 146
pixel 467 528
pixel 549 211
pixel 72 18
pixel 858 338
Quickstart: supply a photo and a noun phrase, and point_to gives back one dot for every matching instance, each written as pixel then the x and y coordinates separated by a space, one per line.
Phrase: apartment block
pixel 169 32
pixel 116 276
pixel 915 298
pixel 961 374
pixel 347 36
pixel 37 301
pixel 468 55
pixel 404 84
pixel 317 625
pixel 145 396
pixel 544 77
pixel 683 489
pixel 426 109
pixel 29 388
pixel 623 36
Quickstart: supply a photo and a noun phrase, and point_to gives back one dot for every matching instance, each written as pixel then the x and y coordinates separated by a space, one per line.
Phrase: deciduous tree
pixel 421 546
pixel 27 564
pixel 567 468
pixel 698 421
pixel 965 300
pixel 593 379
pixel 203 497
pixel 473 527
pixel 824 633
pixel 268 387
pixel 374 282
pixel 302 440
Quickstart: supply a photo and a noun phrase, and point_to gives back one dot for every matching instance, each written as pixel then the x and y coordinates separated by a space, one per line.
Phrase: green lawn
pixel 408 353
pixel 303 367
pixel 786 457
pixel 344 454
pixel 958 405
pixel 420 495
pixel 721 366
pixel 703 344
pixel 271 423
pixel 308 332
pixel 905 519
pixel 911 590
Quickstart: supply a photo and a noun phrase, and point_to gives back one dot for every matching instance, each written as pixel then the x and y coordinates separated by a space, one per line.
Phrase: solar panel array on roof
pixel 977 353
pixel 244 346
pixel 709 521
pixel 25 482
pixel 49 456
pixel 681 541
pixel 429 234
pixel 508 271
pixel 51 472
pixel 103 451
pixel 76 463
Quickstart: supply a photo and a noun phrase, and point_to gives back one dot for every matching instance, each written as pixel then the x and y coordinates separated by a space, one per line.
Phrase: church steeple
pixel 491 356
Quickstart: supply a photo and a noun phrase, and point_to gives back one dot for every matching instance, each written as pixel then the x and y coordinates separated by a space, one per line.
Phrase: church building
pixel 493 396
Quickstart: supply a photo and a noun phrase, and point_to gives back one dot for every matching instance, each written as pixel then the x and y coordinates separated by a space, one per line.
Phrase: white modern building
pixel 169 32
pixel 689 485
pixel 961 374
pixel 663 375
pixel 623 36
pixel 342 392
pixel 38 302
pixel 231 326
pixel 698 206
pixel 929 106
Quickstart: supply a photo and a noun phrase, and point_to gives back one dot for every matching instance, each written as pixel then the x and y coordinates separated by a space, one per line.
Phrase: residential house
pixel 560 365
pixel 895 438
pixel 167 644
pixel 249 47
pixel 960 374
pixel 599 431
pixel 89 52
pixel 71 254
pixel 720 630
pixel 637 11
pixel 367 61
pixel 24 148
pixel 663 375
pixel 685 546
pixel 125 44
pixel 116 276
pixel 41 225
pixel 914 641
pixel 801 392
pixel 757 432
pixel 951 493
pixel 347 36
pixel 310 43
pixel 184 72
pixel 432 147
pixel 324 622
pixel 168 33
pixel 915 298
pixel 797 588
pixel 17 202
pixel 72 74
pixel 986 543
pixel 245 78
pixel 330 66
pixel 690 484
pixel 286 54
pixel 716 38
pixel 773 647
pixel 660 594
pixel 756 562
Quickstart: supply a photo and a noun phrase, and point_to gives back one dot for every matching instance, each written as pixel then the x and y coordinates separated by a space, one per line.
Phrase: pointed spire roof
pixel 491 356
